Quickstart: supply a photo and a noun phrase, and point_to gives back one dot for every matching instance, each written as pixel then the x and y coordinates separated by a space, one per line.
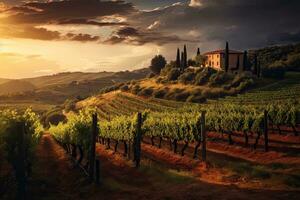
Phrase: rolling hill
pixel 53 90
pixel 15 86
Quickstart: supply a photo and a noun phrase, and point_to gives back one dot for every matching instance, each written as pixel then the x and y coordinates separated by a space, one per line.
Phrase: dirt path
pixel 55 178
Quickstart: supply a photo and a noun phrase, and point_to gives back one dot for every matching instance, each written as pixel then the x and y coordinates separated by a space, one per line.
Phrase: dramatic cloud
pixel 29 32
pixel 54 11
pixel 134 36
pixel 90 22
pixel 82 37
pixel 244 23
pixel 122 29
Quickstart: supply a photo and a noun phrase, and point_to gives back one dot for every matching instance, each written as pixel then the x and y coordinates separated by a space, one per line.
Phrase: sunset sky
pixel 50 36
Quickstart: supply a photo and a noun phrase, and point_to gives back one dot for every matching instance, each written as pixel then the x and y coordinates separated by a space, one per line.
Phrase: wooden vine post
pixel 266 131
pixel 138 140
pixel 21 165
pixel 203 136
pixel 98 171
pixel 93 147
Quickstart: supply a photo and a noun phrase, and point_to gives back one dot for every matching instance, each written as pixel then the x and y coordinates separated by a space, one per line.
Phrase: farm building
pixel 216 59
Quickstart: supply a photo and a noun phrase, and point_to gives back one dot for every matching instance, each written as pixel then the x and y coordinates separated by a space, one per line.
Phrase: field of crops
pixel 237 137
pixel 287 89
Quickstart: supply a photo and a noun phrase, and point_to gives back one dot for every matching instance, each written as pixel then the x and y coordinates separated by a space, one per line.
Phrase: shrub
pixel 124 88
pixel 203 76
pixel 109 89
pixel 159 79
pixel 173 74
pixel 55 119
pixel 220 78
pixel 167 69
pixel 240 78
pixel 146 92
pixel 160 93
pixel 192 62
pixel 135 89
pixel 245 85
pixel 69 105
pixel 187 77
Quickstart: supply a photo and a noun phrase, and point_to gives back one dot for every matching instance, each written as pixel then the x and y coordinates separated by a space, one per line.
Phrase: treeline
pixel 276 60
pixel 267 62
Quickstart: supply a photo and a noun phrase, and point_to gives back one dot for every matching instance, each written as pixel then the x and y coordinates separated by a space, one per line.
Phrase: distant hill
pixel 66 78
pixel 3 80
pixel 15 86
pixel 55 89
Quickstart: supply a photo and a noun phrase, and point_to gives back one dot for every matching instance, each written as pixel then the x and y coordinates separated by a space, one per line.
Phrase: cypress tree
pixel 182 61
pixel 227 57
pixel 245 61
pixel 178 59
pixel 198 52
pixel 185 57
pixel 255 65
pixel 258 69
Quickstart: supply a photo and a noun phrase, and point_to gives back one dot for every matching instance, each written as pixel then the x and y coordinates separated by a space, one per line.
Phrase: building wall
pixel 217 60
pixel 214 60
pixel 233 60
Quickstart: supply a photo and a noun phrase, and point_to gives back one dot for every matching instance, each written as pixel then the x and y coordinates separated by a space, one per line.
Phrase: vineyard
pixel 241 137
pixel 280 91
pixel 19 135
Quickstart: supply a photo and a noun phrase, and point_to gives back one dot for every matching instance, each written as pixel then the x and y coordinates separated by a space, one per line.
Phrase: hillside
pixel 3 80
pixel 15 86
pixel 227 159
pixel 54 90
pixel 66 78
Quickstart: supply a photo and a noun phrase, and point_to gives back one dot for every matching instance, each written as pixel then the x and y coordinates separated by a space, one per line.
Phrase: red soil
pixel 259 155
pixel 55 177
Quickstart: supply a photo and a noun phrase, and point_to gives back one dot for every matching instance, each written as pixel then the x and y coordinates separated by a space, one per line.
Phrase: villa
pixel 216 59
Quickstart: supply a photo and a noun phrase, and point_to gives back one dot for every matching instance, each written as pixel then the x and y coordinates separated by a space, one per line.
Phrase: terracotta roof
pixel 223 51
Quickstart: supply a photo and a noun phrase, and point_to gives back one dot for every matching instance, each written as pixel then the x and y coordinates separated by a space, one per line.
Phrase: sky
pixel 44 37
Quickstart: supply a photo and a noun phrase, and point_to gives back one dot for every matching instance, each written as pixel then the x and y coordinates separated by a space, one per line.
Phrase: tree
pixel 191 62
pixel 157 64
pixel 198 52
pixel 200 60
pixel 245 61
pixel 255 65
pixel 182 62
pixel 178 59
pixel 258 69
pixel 185 57
pixel 238 63
pixel 227 57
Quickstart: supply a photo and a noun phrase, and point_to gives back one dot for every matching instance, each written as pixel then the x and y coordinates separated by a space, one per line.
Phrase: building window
pixel 217 63
pixel 213 63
